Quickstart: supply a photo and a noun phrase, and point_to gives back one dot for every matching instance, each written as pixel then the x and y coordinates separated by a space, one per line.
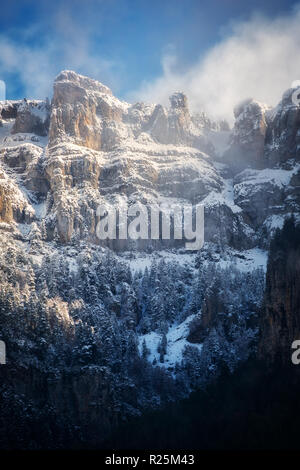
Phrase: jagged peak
pixel 178 100
pixel 249 104
pixel 285 103
pixel 82 81
pixel 288 97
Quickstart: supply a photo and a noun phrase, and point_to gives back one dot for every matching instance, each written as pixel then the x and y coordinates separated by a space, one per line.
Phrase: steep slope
pixel 102 150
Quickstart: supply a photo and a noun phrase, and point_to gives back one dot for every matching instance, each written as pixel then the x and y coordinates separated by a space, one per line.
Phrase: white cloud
pixel 37 62
pixel 259 59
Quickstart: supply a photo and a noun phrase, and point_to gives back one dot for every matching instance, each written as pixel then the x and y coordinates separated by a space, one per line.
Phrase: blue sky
pixel 122 43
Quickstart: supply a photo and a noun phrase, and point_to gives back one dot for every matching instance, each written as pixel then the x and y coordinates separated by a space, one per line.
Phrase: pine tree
pixel 145 350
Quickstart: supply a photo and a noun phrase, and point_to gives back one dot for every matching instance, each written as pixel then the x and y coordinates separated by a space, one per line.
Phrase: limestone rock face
pixel 179 119
pixel 280 320
pixel 263 136
pixel 25 161
pixel 80 179
pixel 32 117
pixel 266 197
pixel 283 131
pixel 73 176
pixel 226 227
pixel 176 126
pixel 84 112
pixel 14 206
pixel 101 150
pixel 22 182
pixel 159 125
pixel 257 195
pixel 248 137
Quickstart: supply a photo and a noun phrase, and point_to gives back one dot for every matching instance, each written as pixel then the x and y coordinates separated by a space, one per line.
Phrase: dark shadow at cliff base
pixel 252 409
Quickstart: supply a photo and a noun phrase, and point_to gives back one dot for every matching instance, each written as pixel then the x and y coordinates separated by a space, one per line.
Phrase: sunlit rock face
pixel 14 206
pixel 89 148
pixel 180 127
pixel 176 126
pixel 100 148
pixel 84 112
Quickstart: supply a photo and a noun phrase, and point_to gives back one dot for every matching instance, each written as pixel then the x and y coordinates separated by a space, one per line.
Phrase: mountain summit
pixel 87 147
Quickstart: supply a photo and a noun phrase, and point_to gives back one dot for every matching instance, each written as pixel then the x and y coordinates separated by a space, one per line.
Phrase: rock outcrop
pixel 101 150
pixel 263 137
pixel 14 206
pixel 9 109
pixel 100 147
pixel 248 137
pixel 282 140
pixel 280 321
pixel 32 117
pixel 84 112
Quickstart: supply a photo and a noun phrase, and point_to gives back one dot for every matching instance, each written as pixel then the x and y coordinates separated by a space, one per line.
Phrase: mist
pixel 259 59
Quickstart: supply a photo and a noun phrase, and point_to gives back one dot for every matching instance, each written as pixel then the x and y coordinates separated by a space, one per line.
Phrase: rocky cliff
pixel 248 136
pixel 103 150
pixel 280 320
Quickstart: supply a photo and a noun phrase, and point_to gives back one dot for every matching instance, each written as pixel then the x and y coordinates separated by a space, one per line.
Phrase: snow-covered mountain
pixel 131 325
pixel 100 149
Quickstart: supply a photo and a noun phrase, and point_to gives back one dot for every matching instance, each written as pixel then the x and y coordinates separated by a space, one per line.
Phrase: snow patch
pixel 176 342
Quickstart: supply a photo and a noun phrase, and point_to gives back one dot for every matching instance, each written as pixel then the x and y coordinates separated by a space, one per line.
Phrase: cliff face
pixel 83 111
pixel 282 135
pixel 32 117
pixel 60 406
pixel 248 137
pixel 103 150
pixel 264 137
pixel 280 323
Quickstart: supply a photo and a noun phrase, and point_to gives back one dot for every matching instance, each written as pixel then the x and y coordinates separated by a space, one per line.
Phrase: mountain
pixel 98 331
